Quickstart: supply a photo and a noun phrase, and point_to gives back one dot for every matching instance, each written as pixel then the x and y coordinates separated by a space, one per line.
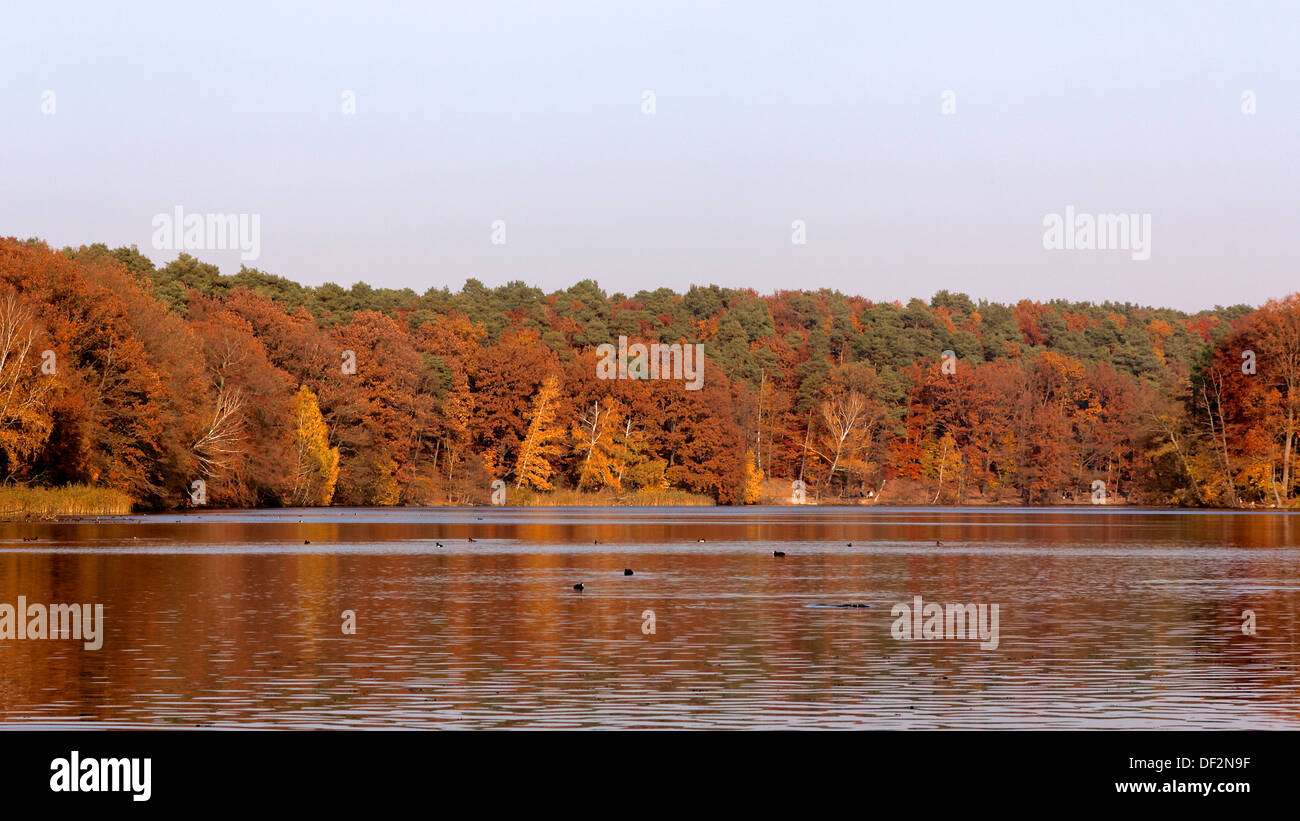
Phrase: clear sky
pixel 764 113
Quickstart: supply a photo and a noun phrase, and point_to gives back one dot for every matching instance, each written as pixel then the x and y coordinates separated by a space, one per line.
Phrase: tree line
pixel 118 373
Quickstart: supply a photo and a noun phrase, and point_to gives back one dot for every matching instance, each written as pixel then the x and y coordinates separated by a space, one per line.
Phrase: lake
pixel 1107 617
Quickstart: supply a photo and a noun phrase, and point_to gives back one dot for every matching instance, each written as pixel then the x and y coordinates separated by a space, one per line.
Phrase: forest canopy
pixel 121 374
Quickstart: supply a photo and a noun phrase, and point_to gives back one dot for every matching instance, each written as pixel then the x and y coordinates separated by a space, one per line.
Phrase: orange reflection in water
pixel 1107 618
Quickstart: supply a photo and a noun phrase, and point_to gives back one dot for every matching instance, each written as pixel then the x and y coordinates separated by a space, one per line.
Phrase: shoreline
pixel 988 507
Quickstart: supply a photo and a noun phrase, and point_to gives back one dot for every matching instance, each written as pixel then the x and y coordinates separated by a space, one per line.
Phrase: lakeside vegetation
pixel 642 497
pixel 20 502
pixel 119 374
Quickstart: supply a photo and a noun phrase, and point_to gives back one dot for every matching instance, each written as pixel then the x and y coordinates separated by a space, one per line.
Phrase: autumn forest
pixel 119 374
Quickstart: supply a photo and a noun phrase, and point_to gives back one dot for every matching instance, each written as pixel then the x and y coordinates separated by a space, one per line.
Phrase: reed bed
pixel 607 498
pixel 22 502
pixel 664 498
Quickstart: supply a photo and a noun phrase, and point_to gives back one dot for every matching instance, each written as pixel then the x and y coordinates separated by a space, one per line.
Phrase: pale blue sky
pixel 766 113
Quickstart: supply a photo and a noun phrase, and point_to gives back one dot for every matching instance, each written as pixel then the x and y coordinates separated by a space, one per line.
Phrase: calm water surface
pixel 1128 619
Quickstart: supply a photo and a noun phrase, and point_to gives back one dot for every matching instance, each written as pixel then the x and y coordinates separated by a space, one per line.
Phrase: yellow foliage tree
pixel 596 442
pixel 939 460
pixel 388 491
pixel 318 463
pixel 542 443
pixel 632 463
pixel 753 480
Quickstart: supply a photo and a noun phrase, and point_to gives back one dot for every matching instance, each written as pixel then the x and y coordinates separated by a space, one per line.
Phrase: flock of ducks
pixel 780 554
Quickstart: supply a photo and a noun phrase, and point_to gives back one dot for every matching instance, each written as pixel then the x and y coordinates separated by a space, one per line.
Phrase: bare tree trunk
pixel 219 444
pixel 806 439
pixel 1219 436
pixel 943 457
pixel 1286 452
